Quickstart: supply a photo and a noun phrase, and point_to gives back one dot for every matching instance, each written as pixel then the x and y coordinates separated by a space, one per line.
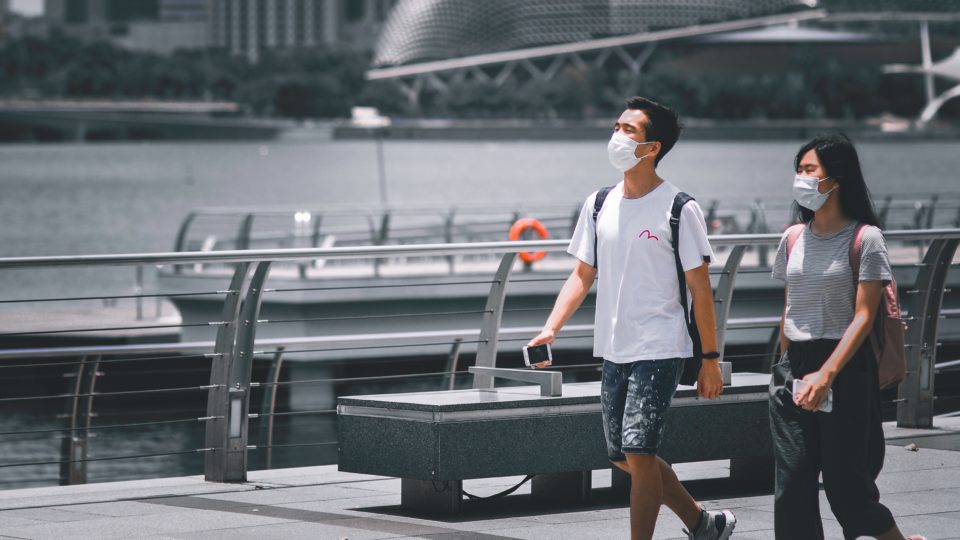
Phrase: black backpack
pixel 691 369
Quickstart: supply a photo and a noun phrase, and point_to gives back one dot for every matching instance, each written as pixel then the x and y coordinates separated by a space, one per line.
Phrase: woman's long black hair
pixel 839 160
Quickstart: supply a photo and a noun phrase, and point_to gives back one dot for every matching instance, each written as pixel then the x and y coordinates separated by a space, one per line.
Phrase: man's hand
pixel 815 392
pixel 710 380
pixel 545 336
pixel 548 337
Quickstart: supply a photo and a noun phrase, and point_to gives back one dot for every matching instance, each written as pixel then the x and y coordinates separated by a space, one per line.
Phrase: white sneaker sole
pixel 729 527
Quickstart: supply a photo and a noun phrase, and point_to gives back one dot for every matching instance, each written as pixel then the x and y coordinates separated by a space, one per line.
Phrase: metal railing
pixel 209 229
pixel 231 355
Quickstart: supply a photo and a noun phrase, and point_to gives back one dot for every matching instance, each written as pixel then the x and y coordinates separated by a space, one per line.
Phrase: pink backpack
pixel 886 337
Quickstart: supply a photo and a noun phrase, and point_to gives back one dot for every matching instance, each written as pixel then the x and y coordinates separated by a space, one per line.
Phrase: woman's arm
pixel 784 342
pixel 868 299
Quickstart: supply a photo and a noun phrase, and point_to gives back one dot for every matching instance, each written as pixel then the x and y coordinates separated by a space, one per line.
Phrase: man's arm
pixel 571 296
pixel 710 380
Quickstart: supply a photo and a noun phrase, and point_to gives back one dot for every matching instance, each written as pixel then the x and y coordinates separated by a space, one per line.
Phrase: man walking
pixel 624 237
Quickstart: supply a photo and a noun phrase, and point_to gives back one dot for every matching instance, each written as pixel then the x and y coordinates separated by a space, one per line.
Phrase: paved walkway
pixel 922 488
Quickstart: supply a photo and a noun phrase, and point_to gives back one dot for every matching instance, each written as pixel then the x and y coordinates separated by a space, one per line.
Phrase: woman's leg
pixel 851 453
pixel 795 443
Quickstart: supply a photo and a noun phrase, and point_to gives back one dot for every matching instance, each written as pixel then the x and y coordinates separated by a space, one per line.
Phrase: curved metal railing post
pixel 218 401
pixel 245 233
pixel 239 375
pixel 73 446
pixel 269 405
pixel 723 295
pixel 181 243
pixel 448 224
pixel 452 360
pixel 915 403
pixel 492 317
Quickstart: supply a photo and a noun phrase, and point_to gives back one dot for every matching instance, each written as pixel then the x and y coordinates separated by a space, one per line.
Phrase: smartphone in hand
pixel 800 384
pixel 539 356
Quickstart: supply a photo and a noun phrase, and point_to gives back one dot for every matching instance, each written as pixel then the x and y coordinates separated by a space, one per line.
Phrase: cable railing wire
pixel 365 317
pixel 107 361
pixel 110 329
pixel 105 458
pixel 293 445
pixel 107 394
pixel 359 379
pixel 369 347
pixel 354 287
pixel 114 297
pixel 105 427
pixel 290 413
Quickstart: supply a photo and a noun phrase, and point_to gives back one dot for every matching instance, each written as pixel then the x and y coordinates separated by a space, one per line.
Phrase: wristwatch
pixel 711 356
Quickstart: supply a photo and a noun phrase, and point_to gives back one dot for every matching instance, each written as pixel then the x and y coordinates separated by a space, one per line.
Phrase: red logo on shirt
pixel 649 236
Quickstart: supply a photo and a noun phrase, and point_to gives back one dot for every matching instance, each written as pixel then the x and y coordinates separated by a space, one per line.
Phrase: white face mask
pixel 621 151
pixel 807 193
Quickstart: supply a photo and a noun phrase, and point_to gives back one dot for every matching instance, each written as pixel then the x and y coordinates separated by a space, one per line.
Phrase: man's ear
pixel 655 148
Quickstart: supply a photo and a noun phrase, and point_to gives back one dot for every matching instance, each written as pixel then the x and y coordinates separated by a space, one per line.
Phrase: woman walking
pixel 828 315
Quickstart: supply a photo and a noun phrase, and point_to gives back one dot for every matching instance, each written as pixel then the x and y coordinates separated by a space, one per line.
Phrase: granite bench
pixel 434 441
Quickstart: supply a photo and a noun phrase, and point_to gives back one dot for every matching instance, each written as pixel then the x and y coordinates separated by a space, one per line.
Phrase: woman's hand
pixel 815 392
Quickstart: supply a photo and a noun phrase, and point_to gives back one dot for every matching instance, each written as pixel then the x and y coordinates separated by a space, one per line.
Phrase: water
pixel 131 197
pixel 113 198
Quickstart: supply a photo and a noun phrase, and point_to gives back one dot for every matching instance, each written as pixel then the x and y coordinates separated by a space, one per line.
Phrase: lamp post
pixel 369 117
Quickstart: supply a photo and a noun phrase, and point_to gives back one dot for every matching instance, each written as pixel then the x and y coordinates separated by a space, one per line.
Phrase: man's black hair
pixel 662 125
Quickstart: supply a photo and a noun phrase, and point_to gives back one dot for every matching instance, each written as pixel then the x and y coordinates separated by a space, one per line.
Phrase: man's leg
pixel 646 494
pixel 649 393
pixel 674 495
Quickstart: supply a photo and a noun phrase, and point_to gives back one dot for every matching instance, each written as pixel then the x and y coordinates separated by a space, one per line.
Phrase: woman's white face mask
pixel 621 151
pixel 806 191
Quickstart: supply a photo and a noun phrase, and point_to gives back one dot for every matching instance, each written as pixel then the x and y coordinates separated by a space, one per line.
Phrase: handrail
pixel 232 353
pixel 366 252
pixel 440 222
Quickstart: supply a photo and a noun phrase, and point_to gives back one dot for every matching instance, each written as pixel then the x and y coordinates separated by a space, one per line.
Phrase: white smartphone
pixel 800 384
pixel 538 356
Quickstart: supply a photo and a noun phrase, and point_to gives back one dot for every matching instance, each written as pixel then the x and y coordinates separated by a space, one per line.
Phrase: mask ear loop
pixel 834 187
pixel 641 158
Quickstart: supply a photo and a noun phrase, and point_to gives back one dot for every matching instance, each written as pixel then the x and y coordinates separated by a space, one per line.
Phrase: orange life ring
pixel 523 224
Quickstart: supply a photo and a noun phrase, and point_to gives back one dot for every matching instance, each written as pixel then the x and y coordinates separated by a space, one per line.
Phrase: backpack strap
pixel 691 370
pixel 856 252
pixel 793 233
pixel 679 201
pixel 597 205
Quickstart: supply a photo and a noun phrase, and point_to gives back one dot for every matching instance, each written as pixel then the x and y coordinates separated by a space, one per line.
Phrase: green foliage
pixel 317 83
pixel 326 83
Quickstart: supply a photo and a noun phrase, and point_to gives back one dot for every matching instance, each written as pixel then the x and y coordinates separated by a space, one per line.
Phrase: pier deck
pixel 922 489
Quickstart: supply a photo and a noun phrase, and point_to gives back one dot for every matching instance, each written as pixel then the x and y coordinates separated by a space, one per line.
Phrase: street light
pixel 369 117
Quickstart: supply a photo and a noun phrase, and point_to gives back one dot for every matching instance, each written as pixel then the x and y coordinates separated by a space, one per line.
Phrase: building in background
pixel 249 27
pixel 15 25
pixel 244 27
pixel 4 19
pixel 146 25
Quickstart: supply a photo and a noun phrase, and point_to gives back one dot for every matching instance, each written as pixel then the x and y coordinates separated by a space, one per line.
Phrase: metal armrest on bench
pixel 550 382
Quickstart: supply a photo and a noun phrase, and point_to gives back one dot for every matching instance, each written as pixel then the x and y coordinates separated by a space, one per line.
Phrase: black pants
pixel 846 445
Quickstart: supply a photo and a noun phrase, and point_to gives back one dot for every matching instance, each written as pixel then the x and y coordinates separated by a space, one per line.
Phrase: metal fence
pixel 228 393
pixel 210 229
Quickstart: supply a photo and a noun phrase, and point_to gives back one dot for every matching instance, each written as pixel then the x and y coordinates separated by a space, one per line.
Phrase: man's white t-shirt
pixel 638 313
